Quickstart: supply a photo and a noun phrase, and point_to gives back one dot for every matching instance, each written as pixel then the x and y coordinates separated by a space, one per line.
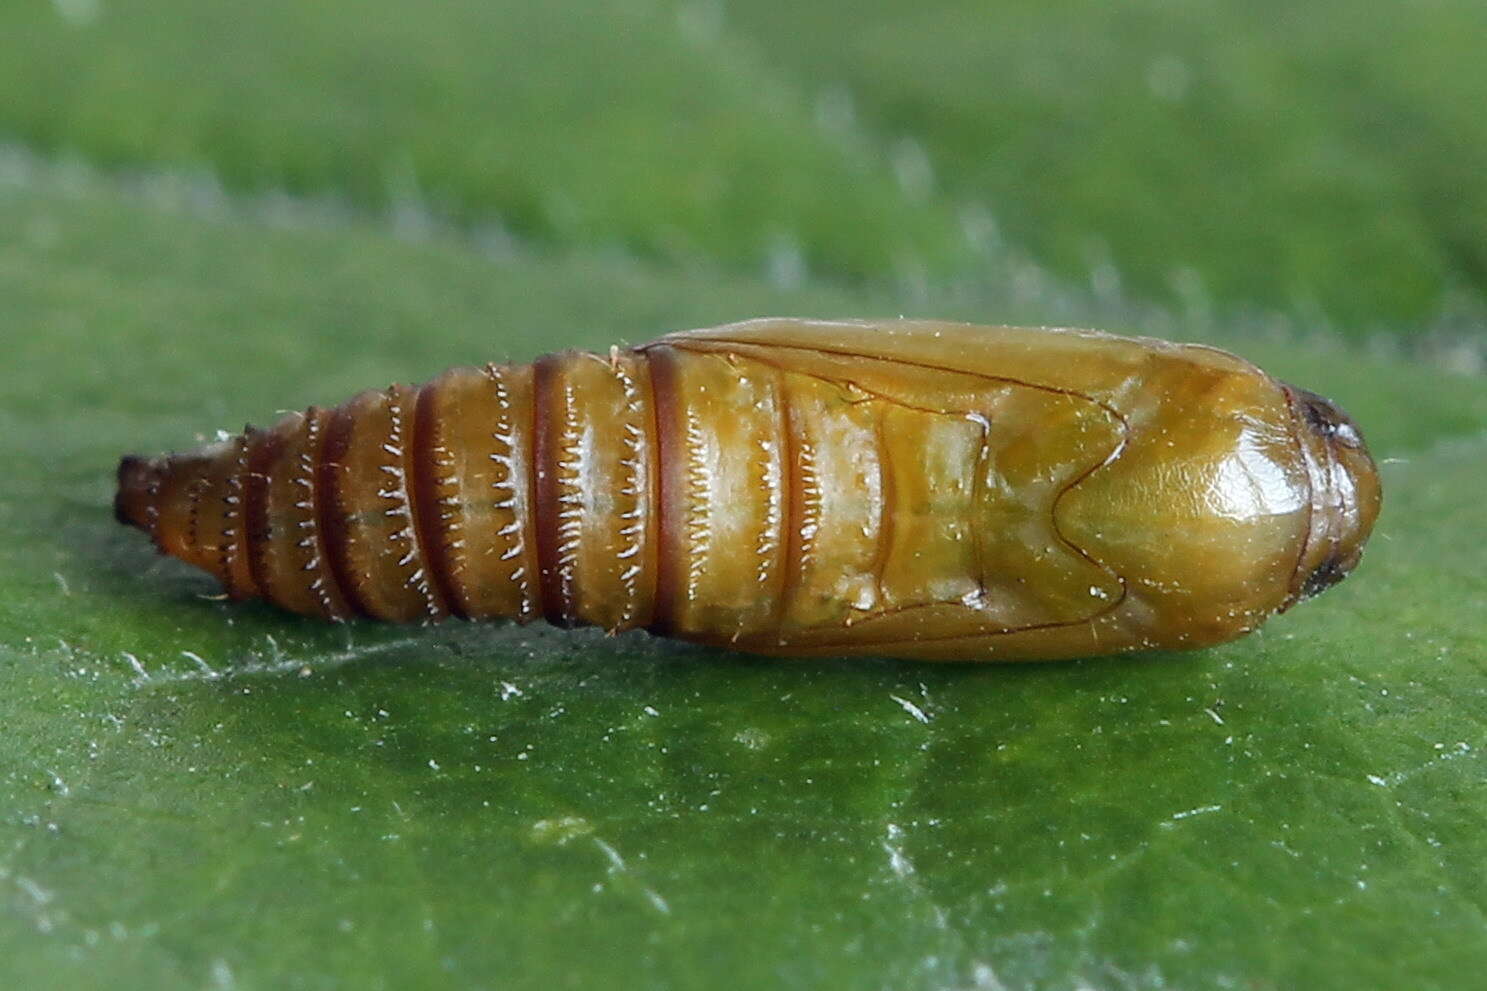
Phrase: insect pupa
pixel 902 488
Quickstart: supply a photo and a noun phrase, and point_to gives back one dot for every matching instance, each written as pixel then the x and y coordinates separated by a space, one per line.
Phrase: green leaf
pixel 564 122
pixel 198 794
pixel 1319 158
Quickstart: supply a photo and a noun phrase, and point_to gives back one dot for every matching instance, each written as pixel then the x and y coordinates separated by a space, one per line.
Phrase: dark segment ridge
pixel 660 363
pixel 330 514
pixel 423 484
pixel 557 606
pixel 263 452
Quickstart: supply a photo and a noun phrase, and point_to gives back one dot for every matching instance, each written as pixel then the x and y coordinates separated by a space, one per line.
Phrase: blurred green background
pixel 213 211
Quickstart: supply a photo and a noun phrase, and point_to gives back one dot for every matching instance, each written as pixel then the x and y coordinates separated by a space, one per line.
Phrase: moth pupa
pixel 903 488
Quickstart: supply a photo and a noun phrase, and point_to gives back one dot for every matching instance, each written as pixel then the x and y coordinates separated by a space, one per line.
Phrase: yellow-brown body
pixel 912 489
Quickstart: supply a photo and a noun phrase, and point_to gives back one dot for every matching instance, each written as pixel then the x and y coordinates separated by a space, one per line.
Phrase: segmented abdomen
pixel 712 495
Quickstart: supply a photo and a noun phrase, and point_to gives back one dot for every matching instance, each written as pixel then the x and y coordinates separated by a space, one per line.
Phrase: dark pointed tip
pixel 136 479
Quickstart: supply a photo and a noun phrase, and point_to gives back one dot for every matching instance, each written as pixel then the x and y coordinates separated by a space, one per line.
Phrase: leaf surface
pixel 197 794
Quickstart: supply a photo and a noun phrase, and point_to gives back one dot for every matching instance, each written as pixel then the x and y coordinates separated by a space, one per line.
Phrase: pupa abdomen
pixel 796 487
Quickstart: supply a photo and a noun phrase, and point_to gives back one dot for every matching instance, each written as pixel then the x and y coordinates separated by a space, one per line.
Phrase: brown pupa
pixel 903 488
